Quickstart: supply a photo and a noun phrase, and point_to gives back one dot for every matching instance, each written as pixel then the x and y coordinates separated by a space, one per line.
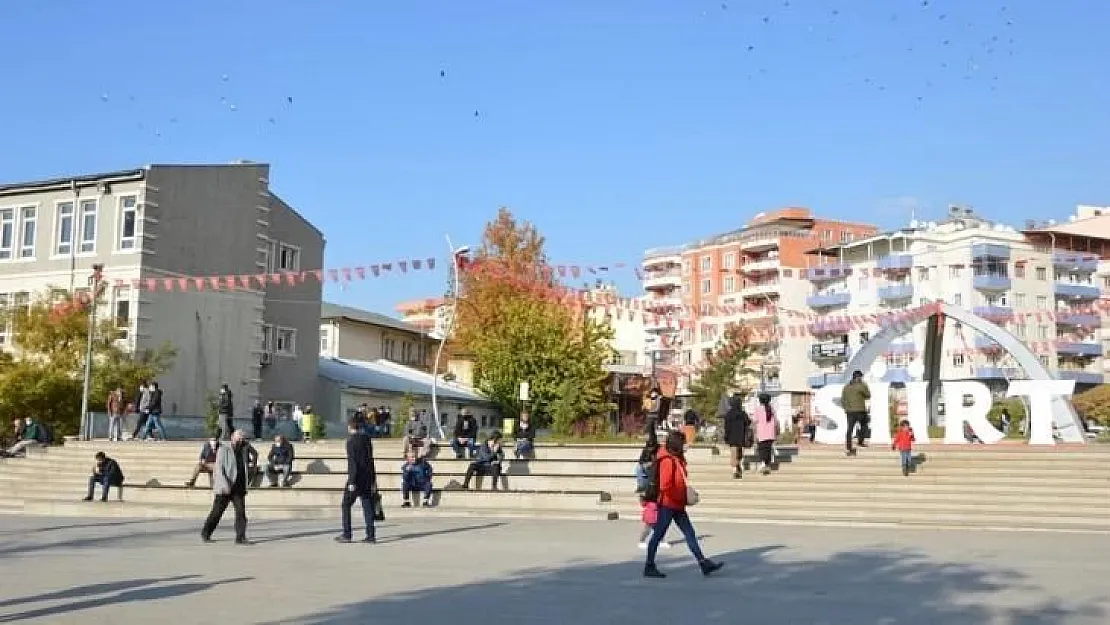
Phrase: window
pixel 1019 270
pixel 706 263
pixel 826 235
pixel 1042 331
pixel 285 341
pixel 121 295
pixel 685 266
pixel 729 261
pixel 7 233
pixel 957 360
pixel 954 271
pixel 267 338
pixel 686 287
pixel 1042 273
pixel 289 258
pixel 864 337
pixel 1019 301
pixel 88 226
pixel 922 273
pixel 730 284
pixel 1021 332
pixel 64 233
pixel 706 286
pixel 323 341
pixel 30 229
pixel 1042 302
pixel 128 221
pixel 958 299
pixel 1044 360
pixel 845 236
pixel 388 347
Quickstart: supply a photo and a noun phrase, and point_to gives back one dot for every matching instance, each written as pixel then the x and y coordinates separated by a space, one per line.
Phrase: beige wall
pixel 355 340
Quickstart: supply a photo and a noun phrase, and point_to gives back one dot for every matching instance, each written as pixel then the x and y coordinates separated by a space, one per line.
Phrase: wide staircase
pixel 1065 488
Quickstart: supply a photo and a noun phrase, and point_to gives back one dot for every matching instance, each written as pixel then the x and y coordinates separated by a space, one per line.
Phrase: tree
pixel 1093 404
pixel 43 377
pixel 516 320
pixel 718 374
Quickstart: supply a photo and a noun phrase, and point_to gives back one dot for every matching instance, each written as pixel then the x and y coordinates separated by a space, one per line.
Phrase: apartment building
pixel 353 334
pixel 172 221
pixel 755 276
pixel 993 270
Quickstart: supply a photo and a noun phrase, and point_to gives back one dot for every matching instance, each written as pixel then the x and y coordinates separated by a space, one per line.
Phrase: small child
pixel 903 442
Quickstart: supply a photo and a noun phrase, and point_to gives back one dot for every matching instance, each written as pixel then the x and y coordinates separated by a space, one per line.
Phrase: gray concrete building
pixel 162 223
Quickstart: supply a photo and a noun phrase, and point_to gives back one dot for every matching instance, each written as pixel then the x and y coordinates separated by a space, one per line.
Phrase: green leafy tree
pixel 43 377
pixel 408 404
pixel 514 319
pixel 1093 404
pixel 720 372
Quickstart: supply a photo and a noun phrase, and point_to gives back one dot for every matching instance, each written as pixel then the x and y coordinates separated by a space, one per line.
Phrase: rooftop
pixel 382 375
pixel 336 311
pixel 1095 227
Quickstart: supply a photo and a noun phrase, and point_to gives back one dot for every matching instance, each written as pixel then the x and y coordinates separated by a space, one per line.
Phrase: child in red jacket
pixel 903 442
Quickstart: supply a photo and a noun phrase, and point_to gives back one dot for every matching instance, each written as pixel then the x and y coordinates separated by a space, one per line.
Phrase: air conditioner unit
pixel 267 358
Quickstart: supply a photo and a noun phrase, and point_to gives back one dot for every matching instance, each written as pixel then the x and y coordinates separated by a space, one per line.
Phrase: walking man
pixel 226 408
pixel 362 482
pixel 144 410
pixel 115 414
pixel 853 399
pixel 257 413
pixel 229 485
pixel 154 413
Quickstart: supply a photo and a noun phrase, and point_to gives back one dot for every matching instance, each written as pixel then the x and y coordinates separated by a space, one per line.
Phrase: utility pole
pixel 95 281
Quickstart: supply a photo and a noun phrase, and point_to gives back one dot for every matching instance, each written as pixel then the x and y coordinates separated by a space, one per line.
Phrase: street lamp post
pixel 456 254
pixel 94 293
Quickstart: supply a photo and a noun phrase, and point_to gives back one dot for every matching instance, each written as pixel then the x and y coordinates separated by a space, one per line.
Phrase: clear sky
pixel 615 125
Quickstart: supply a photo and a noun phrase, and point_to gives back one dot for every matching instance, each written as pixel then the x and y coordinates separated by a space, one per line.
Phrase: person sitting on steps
pixel 525 436
pixel 416 477
pixel 488 461
pixel 280 460
pixel 107 473
pixel 206 460
pixel 416 436
pixel 466 434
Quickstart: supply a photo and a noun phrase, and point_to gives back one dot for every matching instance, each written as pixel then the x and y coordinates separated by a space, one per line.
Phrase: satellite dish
pixel 878 370
pixel 916 369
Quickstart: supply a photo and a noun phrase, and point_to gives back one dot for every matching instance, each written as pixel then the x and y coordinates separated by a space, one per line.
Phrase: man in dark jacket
pixel 106 473
pixel 154 418
pixel 466 434
pixel 280 460
pixel 230 478
pixel 207 459
pixel 226 408
pixel 736 434
pixel 488 462
pixel 853 399
pixel 362 483
pixel 257 413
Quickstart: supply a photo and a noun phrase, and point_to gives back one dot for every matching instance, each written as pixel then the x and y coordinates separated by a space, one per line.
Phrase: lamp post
pixel 456 254
pixel 95 281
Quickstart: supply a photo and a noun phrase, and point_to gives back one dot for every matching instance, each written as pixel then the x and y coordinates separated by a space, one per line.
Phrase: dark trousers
pixel 104 483
pixel 663 522
pixel 349 498
pixel 229 425
pixel 257 423
pixel 856 420
pixel 219 505
pixel 140 425
pixel 410 485
pixel 493 471
pixel 766 452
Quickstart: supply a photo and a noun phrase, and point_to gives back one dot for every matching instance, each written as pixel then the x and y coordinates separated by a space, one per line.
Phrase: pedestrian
pixel 853 399
pixel 674 495
pixel 154 414
pixel 362 483
pixel 115 414
pixel 903 442
pixel 737 424
pixel 226 408
pixel 649 508
pixel 766 431
pixel 271 416
pixel 229 486
pixel 308 424
pixel 144 410
pixel 258 413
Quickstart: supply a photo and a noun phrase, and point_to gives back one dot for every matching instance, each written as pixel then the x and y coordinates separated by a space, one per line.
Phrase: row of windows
pixel 120 306
pixel 75 228
pixel 278 256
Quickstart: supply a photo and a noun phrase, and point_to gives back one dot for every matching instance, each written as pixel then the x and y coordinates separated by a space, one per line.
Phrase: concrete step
pixel 908 495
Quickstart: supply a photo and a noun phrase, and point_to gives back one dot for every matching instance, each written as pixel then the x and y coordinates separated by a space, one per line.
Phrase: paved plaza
pixel 467 571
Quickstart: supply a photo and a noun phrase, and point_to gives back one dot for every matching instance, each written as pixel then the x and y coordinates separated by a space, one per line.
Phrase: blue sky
pixel 614 125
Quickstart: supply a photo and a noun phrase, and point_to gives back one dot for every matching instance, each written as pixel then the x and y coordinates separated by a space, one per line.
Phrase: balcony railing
pixel 1077 348
pixel 897 375
pixel 997 373
pixel 1075 261
pixel 658 304
pixel 755 289
pixel 832 271
pixel 826 300
pixel 986 342
pixel 1084 320
pixel 993 313
pixel 896 292
pixel 895 262
pixel 829 350
pixel 1076 291
pixel 1080 377
pixel 902 347
pixel 819 380
pixel 990 250
pixel 762 265
pixel 991 281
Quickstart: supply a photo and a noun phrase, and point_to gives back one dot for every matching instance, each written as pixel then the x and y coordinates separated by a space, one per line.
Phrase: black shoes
pixel 737 475
pixel 406 504
pixel 205 539
pixel 708 567
pixel 370 540
pixel 343 539
pixel 89 498
pixel 650 570
pixel 243 541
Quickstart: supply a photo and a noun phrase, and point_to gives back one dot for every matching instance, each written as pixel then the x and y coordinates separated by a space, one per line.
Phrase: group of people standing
pixel 759 430
pixel 147 404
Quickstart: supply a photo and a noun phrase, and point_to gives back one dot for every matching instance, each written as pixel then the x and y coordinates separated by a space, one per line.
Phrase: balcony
pixel 1075 261
pixel 662 304
pixel 756 243
pixel 828 300
pixel 895 262
pixel 1075 291
pixel 994 313
pixel 1069 348
pixel 893 292
pixel 657 324
pixel 1080 377
pixel 829 351
pixel 902 347
pixel 991 281
pixel 832 271
pixel 760 289
pixel 898 375
pixel 663 256
pixel 663 280
pixel 997 373
pixel 819 380
pixel 1082 320
pixel 985 342
pixel 761 266
pixel 990 250
pixel 757 315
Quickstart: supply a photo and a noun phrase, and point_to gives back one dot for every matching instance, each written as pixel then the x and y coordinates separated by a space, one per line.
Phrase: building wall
pixel 355 340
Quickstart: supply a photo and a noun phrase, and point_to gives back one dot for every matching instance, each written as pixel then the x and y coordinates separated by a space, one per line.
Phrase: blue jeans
pixel 411 484
pixel 152 422
pixel 524 447
pixel 907 459
pixel 682 520
pixel 367 512
pixel 470 445
pixel 103 481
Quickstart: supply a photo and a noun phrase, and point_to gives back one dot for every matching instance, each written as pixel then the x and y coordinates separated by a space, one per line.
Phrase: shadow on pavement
pixel 868 587
pixel 148 593
pixel 93 589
